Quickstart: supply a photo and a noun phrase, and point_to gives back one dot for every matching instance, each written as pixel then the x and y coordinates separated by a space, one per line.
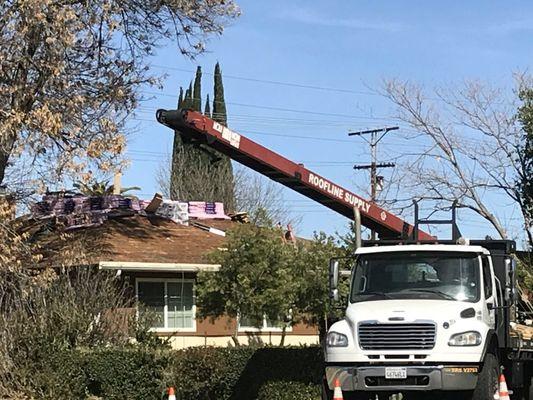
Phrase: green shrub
pixel 240 373
pixel 201 373
pixel 124 374
pixel 207 373
pixel 57 376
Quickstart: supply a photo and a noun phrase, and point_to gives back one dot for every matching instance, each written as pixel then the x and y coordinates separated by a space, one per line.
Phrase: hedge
pixel 201 373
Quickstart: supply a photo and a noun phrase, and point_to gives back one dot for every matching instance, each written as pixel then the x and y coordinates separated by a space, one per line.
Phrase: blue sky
pixel 346 45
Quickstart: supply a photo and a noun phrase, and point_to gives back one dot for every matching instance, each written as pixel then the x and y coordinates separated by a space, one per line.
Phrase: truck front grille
pixel 418 336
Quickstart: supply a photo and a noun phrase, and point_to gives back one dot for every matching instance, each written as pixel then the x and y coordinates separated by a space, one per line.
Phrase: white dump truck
pixel 429 318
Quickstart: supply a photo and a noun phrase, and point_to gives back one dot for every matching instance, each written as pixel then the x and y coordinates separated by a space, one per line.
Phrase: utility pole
pixel 375 137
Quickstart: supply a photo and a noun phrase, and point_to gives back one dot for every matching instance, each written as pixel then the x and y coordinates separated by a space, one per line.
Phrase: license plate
pixel 395 373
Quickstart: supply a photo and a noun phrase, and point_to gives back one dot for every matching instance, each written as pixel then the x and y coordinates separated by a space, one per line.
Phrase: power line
pixel 274 134
pixel 279 108
pixel 288 136
pixel 272 82
pixel 242 120
pixel 161 153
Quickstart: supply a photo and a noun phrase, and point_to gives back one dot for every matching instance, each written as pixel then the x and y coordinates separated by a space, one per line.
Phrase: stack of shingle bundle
pixel 96 203
pixel 135 204
pixel 41 208
pixel 74 221
pixel 76 210
pixel 53 204
pixel 57 204
pixel 175 210
pixel 81 204
pixel 206 210
pixel 143 204
pixel 116 202
pixel 68 205
pixel 210 208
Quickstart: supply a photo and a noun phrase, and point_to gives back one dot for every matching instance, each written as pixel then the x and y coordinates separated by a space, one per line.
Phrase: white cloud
pixel 305 16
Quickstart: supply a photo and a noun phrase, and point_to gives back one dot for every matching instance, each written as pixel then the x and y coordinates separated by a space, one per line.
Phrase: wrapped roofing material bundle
pixel 74 221
pixel 117 202
pixel 207 210
pixel 68 206
pixel 135 204
pixel 175 210
pixel 143 204
pixel 96 203
pixel 197 210
pixel 210 208
pixel 81 204
pixel 41 208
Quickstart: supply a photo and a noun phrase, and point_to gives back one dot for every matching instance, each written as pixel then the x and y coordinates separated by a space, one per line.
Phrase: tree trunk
pixel 6 146
pixel 3 165
pixel 8 139
pixel 235 336
pixel 283 335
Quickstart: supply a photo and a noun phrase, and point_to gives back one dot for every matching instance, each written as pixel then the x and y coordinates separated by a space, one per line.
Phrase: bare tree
pixel 471 137
pixel 262 198
pixel 71 72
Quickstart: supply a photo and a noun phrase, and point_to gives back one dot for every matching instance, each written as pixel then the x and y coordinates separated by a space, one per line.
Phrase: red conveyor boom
pixel 204 130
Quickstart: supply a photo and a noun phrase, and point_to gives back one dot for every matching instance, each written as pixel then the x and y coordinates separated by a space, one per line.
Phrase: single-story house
pixel 160 259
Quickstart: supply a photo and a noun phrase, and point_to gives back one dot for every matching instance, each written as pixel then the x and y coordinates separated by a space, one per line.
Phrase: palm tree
pixel 101 188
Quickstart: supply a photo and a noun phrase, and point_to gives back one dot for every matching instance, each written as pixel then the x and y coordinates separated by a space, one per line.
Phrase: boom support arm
pixel 204 130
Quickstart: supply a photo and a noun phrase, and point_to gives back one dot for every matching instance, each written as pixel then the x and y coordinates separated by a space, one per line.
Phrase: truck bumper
pixel 419 377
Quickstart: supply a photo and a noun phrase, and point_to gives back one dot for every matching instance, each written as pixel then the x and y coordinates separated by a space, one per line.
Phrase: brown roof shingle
pixel 140 239
pixel 157 240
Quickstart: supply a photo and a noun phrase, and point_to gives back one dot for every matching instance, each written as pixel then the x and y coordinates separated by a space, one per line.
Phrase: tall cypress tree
pixel 188 101
pixel 197 92
pixel 219 104
pixel 202 173
pixel 207 109
pixel 180 98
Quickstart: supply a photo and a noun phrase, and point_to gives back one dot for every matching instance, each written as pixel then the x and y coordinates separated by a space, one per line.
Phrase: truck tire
pixel 528 390
pixel 487 381
pixel 327 394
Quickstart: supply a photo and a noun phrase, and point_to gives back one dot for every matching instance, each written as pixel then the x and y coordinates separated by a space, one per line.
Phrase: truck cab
pixel 422 318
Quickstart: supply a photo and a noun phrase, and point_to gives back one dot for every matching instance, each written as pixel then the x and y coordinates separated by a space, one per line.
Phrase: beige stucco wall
pixel 180 342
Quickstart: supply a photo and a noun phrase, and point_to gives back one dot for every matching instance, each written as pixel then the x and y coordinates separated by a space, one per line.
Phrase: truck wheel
pixel 528 390
pixel 487 381
pixel 327 394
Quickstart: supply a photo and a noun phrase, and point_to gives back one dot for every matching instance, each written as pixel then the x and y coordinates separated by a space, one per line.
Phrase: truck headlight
pixel 336 339
pixel 470 338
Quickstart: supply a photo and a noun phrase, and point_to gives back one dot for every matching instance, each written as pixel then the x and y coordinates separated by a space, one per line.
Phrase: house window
pixel 171 300
pixel 248 324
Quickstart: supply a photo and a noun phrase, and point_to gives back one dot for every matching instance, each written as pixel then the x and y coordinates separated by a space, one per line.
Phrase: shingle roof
pixel 143 239
pixel 158 240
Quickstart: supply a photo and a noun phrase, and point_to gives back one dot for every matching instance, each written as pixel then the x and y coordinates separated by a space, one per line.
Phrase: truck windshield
pixel 416 275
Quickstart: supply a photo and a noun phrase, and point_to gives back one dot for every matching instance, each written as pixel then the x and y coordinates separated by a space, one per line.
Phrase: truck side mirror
pixel 333 278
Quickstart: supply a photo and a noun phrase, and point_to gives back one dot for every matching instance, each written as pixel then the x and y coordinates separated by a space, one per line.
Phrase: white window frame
pixel 264 328
pixel 165 308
